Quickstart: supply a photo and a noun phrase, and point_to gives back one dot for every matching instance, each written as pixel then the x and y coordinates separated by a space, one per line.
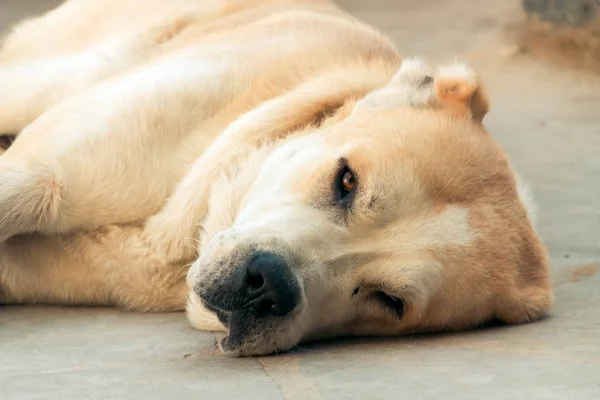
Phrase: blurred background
pixel 567 31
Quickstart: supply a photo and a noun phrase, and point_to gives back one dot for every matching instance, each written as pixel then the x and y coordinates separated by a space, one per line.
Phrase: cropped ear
pixel 457 89
pixel 454 87
pixel 412 85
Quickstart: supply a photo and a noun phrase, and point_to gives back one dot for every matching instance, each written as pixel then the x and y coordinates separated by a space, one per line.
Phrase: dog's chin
pixel 248 336
pixel 233 346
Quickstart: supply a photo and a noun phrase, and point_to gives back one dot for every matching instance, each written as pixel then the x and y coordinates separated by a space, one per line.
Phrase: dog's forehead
pixel 393 136
pixel 453 160
pixel 392 130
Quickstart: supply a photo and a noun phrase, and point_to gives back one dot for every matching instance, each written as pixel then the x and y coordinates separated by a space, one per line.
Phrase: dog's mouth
pixel 238 328
pixel 221 314
pixel 226 341
pixel 248 335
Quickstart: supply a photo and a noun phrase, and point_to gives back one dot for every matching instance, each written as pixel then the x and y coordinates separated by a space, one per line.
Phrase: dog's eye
pixel 6 141
pixel 348 182
pixel 392 302
pixel 345 185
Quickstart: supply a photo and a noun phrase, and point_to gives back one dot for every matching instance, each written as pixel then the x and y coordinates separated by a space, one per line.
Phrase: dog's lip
pixel 234 340
pixel 224 342
pixel 236 336
pixel 226 345
pixel 222 315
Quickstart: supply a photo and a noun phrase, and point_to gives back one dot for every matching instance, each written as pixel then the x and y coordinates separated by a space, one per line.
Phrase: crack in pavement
pixel 285 373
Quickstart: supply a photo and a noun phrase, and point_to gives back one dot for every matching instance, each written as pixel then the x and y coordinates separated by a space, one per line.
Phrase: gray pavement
pixel 546 118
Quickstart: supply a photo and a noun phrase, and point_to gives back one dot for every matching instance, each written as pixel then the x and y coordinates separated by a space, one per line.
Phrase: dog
pixel 272 166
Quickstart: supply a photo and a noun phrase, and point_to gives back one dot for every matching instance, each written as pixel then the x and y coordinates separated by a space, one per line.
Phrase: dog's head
pixel 404 217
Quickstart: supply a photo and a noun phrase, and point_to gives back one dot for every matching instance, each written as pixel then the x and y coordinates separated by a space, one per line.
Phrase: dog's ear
pixel 412 85
pixel 453 88
pixel 457 89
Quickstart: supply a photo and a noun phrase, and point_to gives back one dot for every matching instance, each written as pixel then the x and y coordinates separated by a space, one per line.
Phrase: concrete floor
pixel 547 119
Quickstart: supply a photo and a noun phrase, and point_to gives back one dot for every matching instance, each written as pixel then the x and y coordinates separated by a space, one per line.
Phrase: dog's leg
pixel 111 266
pixel 29 88
pixel 113 153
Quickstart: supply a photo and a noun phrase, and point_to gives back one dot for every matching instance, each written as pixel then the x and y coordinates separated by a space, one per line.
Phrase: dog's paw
pixel 29 199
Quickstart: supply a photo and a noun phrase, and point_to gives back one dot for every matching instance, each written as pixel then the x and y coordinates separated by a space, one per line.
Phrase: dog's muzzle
pixel 256 302
pixel 263 286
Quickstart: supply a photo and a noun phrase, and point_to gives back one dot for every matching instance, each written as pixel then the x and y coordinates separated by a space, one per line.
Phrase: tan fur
pixel 164 135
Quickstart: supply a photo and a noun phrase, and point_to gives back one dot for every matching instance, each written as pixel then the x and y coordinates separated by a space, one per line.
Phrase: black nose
pixel 269 287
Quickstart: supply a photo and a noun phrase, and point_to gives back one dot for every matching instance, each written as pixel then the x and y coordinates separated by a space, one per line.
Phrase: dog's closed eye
pixel 6 141
pixel 393 303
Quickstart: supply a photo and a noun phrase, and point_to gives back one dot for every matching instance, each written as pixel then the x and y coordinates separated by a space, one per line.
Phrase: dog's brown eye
pixel 348 181
pixel 345 185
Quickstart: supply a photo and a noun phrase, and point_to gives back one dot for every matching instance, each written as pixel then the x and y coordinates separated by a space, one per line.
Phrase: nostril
pixel 255 281
pixel 268 286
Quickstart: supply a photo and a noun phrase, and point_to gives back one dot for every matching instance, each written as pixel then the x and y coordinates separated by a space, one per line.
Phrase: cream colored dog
pixel 316 185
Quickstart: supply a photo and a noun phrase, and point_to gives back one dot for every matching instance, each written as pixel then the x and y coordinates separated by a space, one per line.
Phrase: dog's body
pixel 277 138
